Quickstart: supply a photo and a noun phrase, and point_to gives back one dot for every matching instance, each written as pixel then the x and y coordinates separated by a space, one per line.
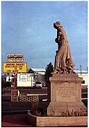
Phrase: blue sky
pixel 27 28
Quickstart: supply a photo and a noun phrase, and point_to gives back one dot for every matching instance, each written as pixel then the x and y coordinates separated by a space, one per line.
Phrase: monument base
pixel 65 94
pixel 58 121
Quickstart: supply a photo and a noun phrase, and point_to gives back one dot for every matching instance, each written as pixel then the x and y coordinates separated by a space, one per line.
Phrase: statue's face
pixel 56 25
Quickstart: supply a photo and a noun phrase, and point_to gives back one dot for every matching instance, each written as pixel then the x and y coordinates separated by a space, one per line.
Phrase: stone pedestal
pixel 66 95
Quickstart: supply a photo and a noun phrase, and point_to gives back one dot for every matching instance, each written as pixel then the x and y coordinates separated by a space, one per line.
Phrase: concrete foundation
pixel 58 121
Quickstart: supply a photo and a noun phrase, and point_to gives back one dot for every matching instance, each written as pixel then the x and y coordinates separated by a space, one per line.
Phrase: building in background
pixel 84 75
pixel 25 79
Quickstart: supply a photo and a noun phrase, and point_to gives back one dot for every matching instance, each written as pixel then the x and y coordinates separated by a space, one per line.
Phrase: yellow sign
pixel 14 67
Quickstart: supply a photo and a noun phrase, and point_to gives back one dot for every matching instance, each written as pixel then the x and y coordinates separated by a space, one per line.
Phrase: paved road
pixel 15 120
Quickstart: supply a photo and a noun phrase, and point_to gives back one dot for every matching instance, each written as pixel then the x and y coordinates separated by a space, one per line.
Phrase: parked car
pixel 38 84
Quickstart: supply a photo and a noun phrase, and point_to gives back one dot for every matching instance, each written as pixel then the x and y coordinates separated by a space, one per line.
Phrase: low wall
pixel 58 121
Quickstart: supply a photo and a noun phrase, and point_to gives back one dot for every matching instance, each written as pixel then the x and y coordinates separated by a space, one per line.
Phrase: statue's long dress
pixel 63 57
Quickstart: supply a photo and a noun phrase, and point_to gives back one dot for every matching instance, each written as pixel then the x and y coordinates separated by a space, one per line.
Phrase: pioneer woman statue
pixel 63 59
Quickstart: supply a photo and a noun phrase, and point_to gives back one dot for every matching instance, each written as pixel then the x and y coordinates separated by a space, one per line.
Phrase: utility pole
pixel 80 69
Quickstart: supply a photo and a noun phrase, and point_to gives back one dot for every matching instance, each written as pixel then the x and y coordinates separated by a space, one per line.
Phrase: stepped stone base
pixel 58 121
pixel 65 108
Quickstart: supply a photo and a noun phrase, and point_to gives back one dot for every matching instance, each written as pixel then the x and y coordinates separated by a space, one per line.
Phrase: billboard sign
pixel 15 58
pixel 9 67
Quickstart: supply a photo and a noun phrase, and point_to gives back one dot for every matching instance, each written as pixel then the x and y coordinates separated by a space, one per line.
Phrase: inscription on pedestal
pixel 66 94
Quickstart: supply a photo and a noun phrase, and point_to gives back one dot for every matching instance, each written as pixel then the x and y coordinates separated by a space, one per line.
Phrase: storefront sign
pixel 15 58
pixel 9 67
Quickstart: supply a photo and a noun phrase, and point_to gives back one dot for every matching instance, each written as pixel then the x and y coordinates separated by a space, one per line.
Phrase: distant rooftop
pixel 43 70
pixel 38 69
pixel 82 71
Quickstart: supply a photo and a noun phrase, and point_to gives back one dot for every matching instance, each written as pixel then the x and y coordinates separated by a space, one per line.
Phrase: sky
pixel 27 28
